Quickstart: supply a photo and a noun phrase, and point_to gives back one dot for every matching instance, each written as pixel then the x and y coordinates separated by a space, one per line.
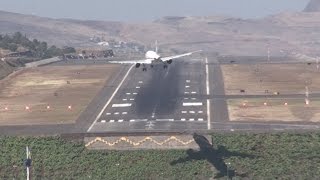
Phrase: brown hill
pixel 313 6
pixel 294 32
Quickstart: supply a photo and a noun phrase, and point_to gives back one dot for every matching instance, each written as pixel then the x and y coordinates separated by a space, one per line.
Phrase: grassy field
pixel 251 156
pixel 25 96
pixel 282 78
pixel 287 110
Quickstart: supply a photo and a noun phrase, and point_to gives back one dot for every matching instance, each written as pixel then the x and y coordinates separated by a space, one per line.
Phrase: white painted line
pixel 200 119
pixel 108 114
pixel 131 99
pixel 165 120
pixel 183 112
pixel 112 121
pixel 191 119
pixel 124 113
pixel 140 82
pixel 120 120
pixel 207 77
pixel 110 99
pixel 121 105
pixel 188 81
pixel 116 113
pixel 192 104
pixel 186 92
pixel 186 98
pixel 187 86
pixel 134 93
pixel 183 119
pixel 124 99
pixel 138 87
pixel 138 120
pixel 232 130
pixel 128 93
pixel 192 112
pixel 193 98
pixel 103 121
pixel 193 92
pixel 208 114
pixel 200 112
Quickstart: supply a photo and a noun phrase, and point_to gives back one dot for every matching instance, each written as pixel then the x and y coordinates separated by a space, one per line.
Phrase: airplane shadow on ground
pixel 214 156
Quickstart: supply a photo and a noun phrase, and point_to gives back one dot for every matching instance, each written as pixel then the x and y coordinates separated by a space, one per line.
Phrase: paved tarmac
pixel 158 100
pixel 187 97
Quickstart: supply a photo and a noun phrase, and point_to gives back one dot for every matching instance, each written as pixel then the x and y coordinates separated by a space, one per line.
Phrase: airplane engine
pixel 169 61
pixel 137 65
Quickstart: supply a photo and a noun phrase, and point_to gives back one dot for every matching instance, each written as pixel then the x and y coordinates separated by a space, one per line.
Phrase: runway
pixel 157 100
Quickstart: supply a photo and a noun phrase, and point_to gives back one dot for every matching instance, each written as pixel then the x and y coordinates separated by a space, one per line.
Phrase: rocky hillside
pixel 313 6
pixel 285 32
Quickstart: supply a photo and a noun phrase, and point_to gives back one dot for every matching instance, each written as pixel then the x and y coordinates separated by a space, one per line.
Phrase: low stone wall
pixel 42 62
pixel 142 142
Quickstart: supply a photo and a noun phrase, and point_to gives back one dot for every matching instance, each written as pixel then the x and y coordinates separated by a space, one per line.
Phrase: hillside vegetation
pixel 39 49
pixel 248 156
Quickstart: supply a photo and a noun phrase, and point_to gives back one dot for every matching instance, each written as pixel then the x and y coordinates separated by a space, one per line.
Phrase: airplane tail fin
pixel 156 46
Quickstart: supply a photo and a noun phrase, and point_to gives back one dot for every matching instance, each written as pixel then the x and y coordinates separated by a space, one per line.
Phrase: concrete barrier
pixel 142 142
pixel 42 62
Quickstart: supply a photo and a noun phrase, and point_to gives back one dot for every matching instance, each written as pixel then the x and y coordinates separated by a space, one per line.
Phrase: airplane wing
pixel 178 56
pixel 145 61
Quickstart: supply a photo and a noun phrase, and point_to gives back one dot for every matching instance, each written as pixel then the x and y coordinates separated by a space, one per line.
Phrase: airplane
pixel 152 58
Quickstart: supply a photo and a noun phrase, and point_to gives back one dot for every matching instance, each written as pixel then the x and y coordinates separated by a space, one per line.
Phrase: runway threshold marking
pixel 165 120
pixel 208 93
pixel 110 99
pixel 122 105
pixel 192 104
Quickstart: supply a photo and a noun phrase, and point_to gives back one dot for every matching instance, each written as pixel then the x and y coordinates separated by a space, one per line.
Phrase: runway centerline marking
pixel 110 99
pixel 128 93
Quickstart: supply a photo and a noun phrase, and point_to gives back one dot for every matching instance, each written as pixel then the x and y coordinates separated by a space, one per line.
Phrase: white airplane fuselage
pixel 152 55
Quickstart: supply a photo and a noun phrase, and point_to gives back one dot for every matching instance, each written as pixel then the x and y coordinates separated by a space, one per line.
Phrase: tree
pixel 67 50
pixel 13 47
pixel 17 38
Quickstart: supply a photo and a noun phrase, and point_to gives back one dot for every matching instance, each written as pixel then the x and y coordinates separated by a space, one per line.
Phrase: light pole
pixel 228 164
pixel 28 162
pixel 117 170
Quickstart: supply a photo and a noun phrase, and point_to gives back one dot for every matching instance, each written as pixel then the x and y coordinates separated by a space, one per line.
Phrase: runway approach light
pixel 265 103
pixel 70 107
pixel 286 104
pixel 244 104
pixel 48 107
pixel 6 108
pixel 27 108
pixel 307 102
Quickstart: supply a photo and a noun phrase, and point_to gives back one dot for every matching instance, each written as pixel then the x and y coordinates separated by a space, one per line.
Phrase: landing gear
pixel 144 68
pixel 151 65
pixel 165 66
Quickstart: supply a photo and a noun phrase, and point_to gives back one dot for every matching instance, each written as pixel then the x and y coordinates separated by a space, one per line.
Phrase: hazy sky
pixel 148 10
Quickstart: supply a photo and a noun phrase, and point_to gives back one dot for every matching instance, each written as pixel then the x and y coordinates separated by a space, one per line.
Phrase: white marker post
pixel 208 93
